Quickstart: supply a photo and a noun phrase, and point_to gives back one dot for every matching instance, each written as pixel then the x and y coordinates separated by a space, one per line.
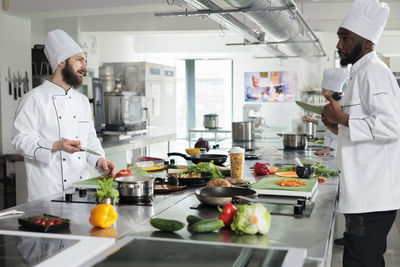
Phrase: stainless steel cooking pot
pixel 243 131
pixel 135 186
pixel 311 129
pixel 210 121
pixel 294 141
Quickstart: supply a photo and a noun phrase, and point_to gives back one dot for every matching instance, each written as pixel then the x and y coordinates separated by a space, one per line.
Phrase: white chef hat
pixel 367 18
pixel 334 79
pixel 58 46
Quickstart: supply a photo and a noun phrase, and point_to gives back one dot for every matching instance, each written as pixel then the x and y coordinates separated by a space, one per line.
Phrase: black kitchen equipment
pixel 218 196
pixel 294 141
pixel 305 171
pixel 205 178
pixel 218 159
pixel 135 186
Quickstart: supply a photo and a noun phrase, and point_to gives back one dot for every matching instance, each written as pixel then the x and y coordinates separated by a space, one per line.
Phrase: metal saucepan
pixel 135 186
pixel 294 141
pixel 218 196
pixel 218 159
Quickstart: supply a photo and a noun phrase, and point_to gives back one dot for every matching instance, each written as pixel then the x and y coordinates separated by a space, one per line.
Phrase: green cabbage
pixel 242 223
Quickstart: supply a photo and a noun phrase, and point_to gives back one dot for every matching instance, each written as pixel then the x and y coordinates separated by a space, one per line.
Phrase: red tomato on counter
pixel 125 172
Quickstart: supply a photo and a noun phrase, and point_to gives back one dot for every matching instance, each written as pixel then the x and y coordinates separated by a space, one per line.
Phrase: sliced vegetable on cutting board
pixel 288 174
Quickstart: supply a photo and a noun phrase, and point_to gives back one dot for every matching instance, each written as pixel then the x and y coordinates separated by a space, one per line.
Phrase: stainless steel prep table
pixel 314 233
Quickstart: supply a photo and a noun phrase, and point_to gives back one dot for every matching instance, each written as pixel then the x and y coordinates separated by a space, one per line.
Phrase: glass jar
pixel 237 162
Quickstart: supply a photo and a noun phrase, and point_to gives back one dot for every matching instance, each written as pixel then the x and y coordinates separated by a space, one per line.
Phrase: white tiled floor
pixel 392 256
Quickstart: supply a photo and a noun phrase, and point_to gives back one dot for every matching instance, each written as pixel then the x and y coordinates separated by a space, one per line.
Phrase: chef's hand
pixel 308 118
pixel 107 167
pixel 333 112
pixel 66 145
pixel 333 127
pixel 324 151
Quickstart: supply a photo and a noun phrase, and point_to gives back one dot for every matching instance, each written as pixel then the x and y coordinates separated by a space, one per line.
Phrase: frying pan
pixel 218 196
pixel 218 159
pixel 205 178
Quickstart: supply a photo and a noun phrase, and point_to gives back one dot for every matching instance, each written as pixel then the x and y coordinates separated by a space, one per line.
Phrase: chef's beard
pixel 353 57
pixel 70 77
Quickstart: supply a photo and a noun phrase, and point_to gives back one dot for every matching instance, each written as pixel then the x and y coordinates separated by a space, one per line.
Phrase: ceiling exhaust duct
pixel 280 25
pixel 233 24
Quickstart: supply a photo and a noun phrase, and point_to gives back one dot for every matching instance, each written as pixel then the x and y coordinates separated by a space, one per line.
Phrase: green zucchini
pixel 206 226
pixel 166 225
pixel 192 219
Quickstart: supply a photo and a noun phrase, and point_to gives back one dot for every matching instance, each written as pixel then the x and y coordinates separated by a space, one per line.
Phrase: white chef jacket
pixel 369 149
pixel 45 115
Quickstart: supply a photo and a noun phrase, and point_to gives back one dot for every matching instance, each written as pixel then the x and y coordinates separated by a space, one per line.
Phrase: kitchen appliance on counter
pixel 311 130
pixel 243 131
pixel 154 82
pixel 123 112
pixel 210 121
pixel 252 112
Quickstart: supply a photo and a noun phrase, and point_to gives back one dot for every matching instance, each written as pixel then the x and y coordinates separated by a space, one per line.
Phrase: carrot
pixel 290 183
pixel 272 170
pixel 322 180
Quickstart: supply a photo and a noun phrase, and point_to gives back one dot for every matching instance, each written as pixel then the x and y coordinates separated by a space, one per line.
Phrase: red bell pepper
pixel 125 172
pixel 228 213
pixel 261 168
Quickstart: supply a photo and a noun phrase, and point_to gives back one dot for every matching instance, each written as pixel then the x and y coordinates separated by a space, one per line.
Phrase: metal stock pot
pixel 294 141
pixel 135 186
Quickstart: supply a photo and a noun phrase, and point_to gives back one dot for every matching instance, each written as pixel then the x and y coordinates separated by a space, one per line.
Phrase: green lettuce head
pixel 251 219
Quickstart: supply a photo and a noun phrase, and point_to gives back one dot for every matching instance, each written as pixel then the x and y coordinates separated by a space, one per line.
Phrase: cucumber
pixel 206 226
pixel 192 219
pixel 166 225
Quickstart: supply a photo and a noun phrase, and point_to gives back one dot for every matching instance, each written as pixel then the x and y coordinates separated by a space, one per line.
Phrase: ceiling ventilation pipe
pixel 280 25
pixel 233 24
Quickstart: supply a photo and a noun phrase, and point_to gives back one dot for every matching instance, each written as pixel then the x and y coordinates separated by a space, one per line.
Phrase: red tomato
pixel 125 172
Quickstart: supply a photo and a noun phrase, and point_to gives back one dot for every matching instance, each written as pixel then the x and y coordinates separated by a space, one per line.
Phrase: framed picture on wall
pixel 271 86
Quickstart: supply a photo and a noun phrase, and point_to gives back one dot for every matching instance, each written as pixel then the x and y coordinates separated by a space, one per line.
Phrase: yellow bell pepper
pixel 103 216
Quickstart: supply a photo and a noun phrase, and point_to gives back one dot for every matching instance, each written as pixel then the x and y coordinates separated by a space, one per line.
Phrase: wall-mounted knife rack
pixel 17 83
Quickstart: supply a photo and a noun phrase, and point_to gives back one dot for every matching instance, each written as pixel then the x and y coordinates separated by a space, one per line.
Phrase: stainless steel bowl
pixel 294 141
pixel 135 186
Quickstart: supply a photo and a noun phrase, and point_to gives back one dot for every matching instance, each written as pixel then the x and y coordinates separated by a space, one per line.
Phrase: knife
pixel 19 85
pixel 89 151
pixel 309 107
pixel 15 81
pixel 26 81
pixel 9 81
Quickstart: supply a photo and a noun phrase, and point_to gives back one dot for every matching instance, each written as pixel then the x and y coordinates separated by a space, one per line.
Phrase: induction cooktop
pixel 29 250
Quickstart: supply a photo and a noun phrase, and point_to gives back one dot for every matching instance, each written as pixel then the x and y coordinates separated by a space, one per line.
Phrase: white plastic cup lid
pixel 236 150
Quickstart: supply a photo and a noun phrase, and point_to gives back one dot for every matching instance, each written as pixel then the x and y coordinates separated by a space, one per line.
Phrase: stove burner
pixel 139 201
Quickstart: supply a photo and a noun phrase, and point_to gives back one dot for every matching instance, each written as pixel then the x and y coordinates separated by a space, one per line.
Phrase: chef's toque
pixel 58 46
pixel 367 18
pixel 334 79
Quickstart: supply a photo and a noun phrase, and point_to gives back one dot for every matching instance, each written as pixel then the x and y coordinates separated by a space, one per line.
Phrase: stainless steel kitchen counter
pixel 313 233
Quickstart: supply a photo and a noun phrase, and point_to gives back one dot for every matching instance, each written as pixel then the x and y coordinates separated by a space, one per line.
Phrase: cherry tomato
pixel 51 222
pixel 36 221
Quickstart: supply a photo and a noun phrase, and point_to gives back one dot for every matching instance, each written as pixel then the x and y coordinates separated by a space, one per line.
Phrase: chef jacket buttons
pixel 65 180
pixel 80 177
pixel 63 159
pixel 79 157
pixel 74 116
pixel 59 117
pixel 70 97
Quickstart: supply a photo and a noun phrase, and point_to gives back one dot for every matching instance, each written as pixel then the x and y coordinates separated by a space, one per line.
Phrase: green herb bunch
pixel 107 189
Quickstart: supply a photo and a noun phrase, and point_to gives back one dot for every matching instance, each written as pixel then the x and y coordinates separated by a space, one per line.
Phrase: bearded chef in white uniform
pixel 53 119
pixel 369 137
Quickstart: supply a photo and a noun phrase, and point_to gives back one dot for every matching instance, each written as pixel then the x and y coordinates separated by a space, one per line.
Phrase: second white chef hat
pixel 334 79
pixel 58 46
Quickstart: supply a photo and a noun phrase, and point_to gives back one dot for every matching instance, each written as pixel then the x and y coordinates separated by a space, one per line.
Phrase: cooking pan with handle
pixel 218 159
pixel 218 196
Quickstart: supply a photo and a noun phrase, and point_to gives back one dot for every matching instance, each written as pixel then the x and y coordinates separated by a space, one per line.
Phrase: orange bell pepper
pixel 103 216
